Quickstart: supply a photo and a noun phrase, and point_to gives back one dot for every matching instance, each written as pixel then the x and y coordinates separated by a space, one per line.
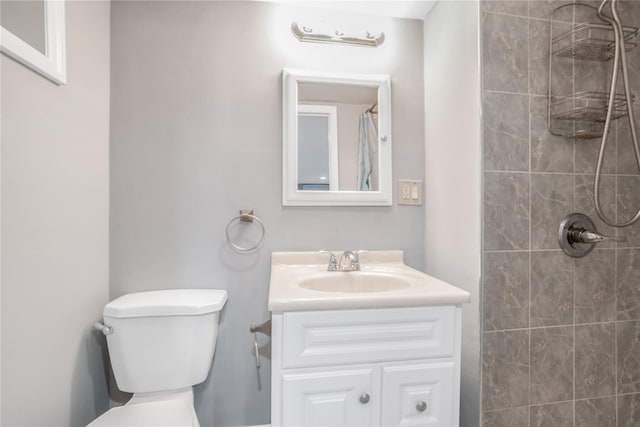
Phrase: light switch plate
pixel 410 192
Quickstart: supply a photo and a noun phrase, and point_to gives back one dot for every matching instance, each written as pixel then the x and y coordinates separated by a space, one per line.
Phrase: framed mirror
pixel 336 139
pixel 33 33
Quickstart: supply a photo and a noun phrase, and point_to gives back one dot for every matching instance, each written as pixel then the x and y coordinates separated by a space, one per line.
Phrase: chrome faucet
pixel 353 260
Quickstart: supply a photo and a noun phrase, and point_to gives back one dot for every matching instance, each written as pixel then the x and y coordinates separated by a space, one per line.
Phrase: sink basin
pixel 300 281
pixel 355 282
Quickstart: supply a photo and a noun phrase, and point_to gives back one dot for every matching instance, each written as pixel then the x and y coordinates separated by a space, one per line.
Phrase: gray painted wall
pixel 55 218
pixel 196 135
pixel 453 163
pixel 561 339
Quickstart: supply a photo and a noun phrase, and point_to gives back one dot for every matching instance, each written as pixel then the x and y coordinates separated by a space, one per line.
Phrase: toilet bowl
pixel 161 344
pixel 176 412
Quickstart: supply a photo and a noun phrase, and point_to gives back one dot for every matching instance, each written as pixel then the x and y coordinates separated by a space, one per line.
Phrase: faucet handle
pixel 332 255
pixel 588 236
pixel 578 235
pixel 333 261
pixel 360 252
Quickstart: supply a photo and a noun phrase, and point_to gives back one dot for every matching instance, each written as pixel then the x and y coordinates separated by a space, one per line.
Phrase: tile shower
pixel 561 336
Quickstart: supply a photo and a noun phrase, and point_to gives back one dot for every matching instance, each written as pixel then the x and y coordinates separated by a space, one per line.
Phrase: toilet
pixel 161 344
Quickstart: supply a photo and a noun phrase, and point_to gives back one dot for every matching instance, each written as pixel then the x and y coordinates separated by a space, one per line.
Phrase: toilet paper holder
pixel 264 328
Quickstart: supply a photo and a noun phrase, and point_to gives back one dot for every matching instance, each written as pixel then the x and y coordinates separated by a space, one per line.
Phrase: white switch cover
pixel 409 192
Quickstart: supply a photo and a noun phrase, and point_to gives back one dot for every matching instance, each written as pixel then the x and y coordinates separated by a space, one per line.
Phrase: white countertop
pixel 290 269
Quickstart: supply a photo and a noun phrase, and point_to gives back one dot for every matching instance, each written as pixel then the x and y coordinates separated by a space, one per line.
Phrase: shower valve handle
pixel 587 236
pixel 577 235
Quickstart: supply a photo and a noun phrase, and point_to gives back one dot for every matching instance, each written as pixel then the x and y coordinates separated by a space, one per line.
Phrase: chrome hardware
pixel 421 406
pixel 351 257
pixel 106 330
pixel 333 261
pixel 577 235
pixel 353 262
pixel 587 115
pixel 586 236
pixel 256 349
pixel 265 329
pixel 246 216
pixel 307 33
pixel 619 63
pixel 364 398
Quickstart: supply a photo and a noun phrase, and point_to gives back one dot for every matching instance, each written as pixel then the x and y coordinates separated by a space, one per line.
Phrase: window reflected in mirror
pixel 337 137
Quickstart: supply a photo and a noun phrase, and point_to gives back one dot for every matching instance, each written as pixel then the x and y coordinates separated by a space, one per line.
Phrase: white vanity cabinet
pixel 366 367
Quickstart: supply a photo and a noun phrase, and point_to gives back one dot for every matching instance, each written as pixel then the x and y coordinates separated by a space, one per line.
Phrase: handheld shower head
pixel 619 62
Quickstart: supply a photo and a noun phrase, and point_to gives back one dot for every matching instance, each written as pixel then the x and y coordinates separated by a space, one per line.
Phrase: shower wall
pixel 561 336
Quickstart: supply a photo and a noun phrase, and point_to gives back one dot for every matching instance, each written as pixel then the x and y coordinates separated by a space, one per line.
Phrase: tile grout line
pixel 582 399
pixel 561 173
pixel 615 272
pixel 498 251
pixel 530 198
pixel 615 277
pixel 517 251
pixel 566 325
pixel 574 263
pixel 529 17
pixel 481 16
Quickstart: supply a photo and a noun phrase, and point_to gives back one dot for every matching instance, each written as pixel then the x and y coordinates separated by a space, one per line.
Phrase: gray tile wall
pixel 561 336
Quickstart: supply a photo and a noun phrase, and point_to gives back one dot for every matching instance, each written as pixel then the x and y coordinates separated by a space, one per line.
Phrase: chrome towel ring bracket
pixel 246 216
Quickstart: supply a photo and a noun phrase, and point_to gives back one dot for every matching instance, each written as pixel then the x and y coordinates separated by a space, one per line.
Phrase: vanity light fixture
pixel 306 33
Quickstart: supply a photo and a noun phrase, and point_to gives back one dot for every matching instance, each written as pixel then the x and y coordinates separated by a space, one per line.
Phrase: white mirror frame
pixel 291 196
pixel 52 65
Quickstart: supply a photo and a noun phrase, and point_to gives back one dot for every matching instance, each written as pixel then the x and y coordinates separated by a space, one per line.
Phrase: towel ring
pixel 246 215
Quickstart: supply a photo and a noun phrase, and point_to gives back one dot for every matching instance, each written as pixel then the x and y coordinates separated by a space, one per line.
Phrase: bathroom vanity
pixel 375 347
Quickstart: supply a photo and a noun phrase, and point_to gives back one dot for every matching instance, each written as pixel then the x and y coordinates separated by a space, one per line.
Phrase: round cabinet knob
pixel 421 406
pixel 364 398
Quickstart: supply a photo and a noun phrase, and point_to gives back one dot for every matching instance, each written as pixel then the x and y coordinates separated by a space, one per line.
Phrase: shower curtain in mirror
pixel 367 152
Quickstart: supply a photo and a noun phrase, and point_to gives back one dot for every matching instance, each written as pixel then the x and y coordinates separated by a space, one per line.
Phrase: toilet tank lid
pixel 174 302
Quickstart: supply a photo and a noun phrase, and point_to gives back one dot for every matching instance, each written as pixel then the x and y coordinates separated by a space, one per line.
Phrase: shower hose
pixel 619 61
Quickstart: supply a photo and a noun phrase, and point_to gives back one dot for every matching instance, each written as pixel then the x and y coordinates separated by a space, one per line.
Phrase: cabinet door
pixel 336 397
pixel 418 395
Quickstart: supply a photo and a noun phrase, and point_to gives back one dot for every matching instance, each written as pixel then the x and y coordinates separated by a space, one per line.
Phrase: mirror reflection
pixel 337 141
pixel 26 20
pixel 337 137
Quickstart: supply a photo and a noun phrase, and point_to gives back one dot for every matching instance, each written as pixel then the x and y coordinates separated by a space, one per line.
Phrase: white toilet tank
pixel 163 340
